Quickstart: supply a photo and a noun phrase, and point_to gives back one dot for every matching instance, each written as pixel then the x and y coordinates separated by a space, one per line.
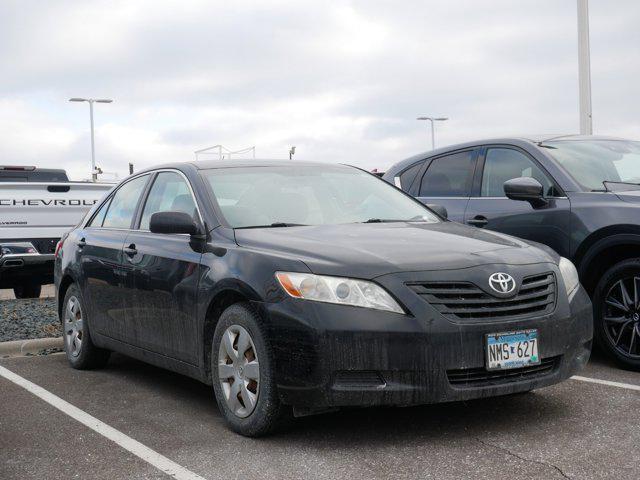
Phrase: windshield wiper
pixel 417 218
pixel 274 225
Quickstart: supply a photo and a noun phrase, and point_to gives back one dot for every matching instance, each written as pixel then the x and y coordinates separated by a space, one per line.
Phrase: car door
pixel 100 248
pixel 162 274
pixel 489 207
pixel 447 181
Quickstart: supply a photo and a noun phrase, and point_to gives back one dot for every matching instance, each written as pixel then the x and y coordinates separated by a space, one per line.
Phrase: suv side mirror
pixel 527 189
pixel 439 209
pixel 173 222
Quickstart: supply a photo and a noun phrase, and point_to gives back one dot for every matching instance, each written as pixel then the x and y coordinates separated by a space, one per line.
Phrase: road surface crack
pixel 525 459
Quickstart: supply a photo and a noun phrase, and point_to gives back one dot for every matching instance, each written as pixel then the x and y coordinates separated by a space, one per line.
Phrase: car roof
pixel 212 164
pixel 533 139
pixel 208 164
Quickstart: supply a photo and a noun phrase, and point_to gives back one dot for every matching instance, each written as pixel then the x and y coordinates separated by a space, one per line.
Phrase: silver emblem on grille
pixel 502 282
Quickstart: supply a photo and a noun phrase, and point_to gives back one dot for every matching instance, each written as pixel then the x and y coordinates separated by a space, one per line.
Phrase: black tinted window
pixel 169 192
pixel 449 176
pixel 9 178
pixel 409 175
pixel 123 204
pixel 502 164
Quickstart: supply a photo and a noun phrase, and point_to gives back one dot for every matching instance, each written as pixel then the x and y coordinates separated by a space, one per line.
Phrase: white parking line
pixel 138 449
pixel 608 383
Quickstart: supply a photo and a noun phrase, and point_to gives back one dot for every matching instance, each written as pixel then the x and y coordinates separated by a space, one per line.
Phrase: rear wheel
pixel 616 304
pixel 27 290
pixel 242 373
pixel 81 353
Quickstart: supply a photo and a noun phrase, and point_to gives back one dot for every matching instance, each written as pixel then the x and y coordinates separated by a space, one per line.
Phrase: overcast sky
pixel 343 81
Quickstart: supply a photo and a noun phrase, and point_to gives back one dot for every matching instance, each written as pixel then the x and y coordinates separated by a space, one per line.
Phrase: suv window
pixel 449 176
pixel 408 176
pixel 123 204
pixel 502 164
pixel 169 192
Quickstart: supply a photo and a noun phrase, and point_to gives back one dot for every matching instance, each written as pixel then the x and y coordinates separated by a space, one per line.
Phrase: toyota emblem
pixel 502 282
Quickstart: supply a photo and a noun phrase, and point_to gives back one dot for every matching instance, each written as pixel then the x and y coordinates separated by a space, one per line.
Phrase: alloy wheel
pixel 73 326
pixel 238 370
pixel 622 316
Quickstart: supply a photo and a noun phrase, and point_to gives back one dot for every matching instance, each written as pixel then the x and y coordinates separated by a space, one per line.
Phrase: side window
pixel 169 192
pixel 98 218
pixel 449 176
pixel 408 176
pixel 502 164
pixel 123 204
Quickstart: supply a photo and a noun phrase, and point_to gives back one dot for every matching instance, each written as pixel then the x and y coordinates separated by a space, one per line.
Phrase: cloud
pixel 341 80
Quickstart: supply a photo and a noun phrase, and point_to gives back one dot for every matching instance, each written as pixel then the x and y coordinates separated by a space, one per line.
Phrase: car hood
pixel 371 250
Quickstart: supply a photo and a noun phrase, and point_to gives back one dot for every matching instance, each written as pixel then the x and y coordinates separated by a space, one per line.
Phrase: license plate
pixel 512 349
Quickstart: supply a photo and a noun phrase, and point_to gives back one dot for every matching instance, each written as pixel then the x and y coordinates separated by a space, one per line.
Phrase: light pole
pixel 584 68
pixel 433 135
pixel 91 101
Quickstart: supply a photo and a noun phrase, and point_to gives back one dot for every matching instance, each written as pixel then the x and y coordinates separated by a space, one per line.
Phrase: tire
pixel 27 290
pixel 616 320
pixel 81 353
pixel 267 413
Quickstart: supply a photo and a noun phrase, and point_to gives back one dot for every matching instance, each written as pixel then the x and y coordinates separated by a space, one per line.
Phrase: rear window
pixel 33 176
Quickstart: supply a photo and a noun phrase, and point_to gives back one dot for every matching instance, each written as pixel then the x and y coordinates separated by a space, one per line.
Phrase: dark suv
pixel 579 195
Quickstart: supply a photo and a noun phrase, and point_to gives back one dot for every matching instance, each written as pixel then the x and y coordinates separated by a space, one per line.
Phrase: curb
pixel 21 348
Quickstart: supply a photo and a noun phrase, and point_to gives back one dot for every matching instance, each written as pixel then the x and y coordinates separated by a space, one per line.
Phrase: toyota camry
pixel 300 288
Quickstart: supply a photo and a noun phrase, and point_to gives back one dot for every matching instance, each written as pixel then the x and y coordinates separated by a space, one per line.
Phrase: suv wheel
pixel 27 290
pixel 242 373
pixel 81 352
pixel 616 304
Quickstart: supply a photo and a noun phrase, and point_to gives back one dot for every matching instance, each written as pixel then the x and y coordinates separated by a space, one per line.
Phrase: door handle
pixel 130 250
pixel 81 243
pixel 478 221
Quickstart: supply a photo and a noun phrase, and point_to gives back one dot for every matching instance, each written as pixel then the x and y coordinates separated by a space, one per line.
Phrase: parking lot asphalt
pixel 572 430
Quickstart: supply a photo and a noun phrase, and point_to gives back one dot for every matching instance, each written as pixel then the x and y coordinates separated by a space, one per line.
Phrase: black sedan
pixel 298 288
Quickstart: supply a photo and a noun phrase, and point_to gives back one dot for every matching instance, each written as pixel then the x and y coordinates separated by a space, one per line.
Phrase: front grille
pixel 464 300
pixel 358 380
pixel 480 377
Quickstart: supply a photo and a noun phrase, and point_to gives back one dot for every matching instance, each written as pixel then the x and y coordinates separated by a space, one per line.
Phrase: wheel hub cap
pixel 73 326
pixel 621 316
pixel 239 371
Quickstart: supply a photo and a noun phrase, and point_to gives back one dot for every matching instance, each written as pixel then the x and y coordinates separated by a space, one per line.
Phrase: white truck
pixel 37 207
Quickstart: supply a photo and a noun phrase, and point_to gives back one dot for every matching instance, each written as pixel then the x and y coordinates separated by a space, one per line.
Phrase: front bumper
pixel 332 356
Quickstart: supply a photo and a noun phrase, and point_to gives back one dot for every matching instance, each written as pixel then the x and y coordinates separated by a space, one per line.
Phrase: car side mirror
pixel 439 209
pixel 527 189
pixel 173 222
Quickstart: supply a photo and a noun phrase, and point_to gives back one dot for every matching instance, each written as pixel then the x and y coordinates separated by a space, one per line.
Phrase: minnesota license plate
pixel 512 349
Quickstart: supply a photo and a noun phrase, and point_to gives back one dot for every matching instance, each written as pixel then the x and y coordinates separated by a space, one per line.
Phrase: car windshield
pixel 278 196
pixel 592 162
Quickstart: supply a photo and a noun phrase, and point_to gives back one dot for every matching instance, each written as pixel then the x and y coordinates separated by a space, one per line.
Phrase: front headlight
pixel 569 274
pixel 344 291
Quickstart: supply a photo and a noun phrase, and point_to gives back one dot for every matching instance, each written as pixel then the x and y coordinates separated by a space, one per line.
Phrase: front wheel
pixel 242 370
pixel 81 353
pixel 27 290
pixel 616 303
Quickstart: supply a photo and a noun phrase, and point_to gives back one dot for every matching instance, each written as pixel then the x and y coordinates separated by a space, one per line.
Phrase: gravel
pixel 28 318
